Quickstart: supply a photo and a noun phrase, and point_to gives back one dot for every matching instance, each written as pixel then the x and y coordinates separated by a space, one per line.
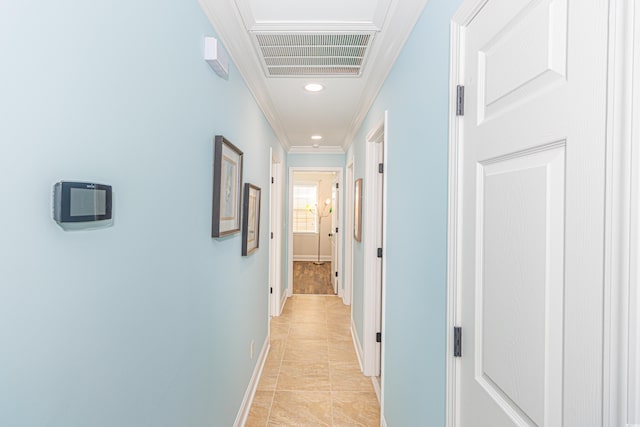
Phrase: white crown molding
pixel 248 65
pixel 383 55
pixel 329 149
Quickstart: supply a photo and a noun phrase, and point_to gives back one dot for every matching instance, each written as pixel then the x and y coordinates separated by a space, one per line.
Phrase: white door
pixel 532 182
pixel 335 206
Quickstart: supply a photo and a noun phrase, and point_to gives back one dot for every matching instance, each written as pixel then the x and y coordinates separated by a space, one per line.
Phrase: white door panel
pixel 532 184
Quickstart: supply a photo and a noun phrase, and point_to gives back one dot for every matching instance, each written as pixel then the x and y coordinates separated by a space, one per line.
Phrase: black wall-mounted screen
pixel 81 202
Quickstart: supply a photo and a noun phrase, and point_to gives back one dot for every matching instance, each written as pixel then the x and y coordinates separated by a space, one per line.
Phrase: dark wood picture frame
pixel 227 188
pixel 250 219
pixel 357 210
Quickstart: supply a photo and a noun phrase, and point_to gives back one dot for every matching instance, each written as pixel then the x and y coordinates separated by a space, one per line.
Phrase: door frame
pixel 336 261
pixel 275 243
pixel 347 277
pixel 622 253
pixel 374 236
pixel 340 243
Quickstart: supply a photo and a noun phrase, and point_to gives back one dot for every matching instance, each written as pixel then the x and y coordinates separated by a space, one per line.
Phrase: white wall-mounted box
pixel 216 57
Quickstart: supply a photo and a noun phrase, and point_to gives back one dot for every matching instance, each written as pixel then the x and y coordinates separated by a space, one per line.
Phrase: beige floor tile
pixel 301 409
pixel 270 372
pixel 309 331
pixel 276 348
pixel 307 351
pixel 342 351
pixel 303 376
pixel 346 376
pixel 355 409
pixel 312 374
pixel 280 331
pixel 339 332
pixel 260 409
pixel 309 316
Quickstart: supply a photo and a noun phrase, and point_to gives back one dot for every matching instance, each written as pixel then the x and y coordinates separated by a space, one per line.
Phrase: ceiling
pixel 279 46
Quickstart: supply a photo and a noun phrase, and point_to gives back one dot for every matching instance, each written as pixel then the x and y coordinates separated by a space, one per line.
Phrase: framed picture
pixel 357 210
pixel 227 187
pixel 250 219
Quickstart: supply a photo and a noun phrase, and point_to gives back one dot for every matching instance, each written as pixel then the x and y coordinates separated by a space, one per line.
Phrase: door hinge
pixel 271 290
pixel 272 234
pixel 272 180
pixel 460 100
pixel 457 341
pixel 337 185
pixel 380 167
pixel 378 336
pixel 336 274
pixel 336 229
pixel 379 252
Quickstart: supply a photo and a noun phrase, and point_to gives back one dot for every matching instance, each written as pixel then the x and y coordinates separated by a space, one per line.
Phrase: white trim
pixel 383 421
pixel 328 149
pixel 339 172
pixel 323 258
pixel 275 227
pixel 245 406
pixel 272 251
pixel 370 236
pixel 459 20
pixel 377 389
pixel 622 234
pixel 383 294
pixel 283 301
pixel 633 376
pixel 348 234
pixel 356 344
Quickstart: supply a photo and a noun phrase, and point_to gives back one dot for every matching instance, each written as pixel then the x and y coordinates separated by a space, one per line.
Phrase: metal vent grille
pixel 309 54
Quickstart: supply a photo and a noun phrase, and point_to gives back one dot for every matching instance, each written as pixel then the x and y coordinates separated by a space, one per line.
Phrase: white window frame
pixel 313 205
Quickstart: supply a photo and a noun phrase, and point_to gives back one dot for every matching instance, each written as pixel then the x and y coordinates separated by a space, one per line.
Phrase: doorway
pixel 315 246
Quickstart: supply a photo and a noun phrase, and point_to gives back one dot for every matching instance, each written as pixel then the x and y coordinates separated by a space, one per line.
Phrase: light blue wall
pixel 149 322
pixel 416 97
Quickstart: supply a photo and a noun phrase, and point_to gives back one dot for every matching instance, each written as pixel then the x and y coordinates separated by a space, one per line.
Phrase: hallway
pixel 312 376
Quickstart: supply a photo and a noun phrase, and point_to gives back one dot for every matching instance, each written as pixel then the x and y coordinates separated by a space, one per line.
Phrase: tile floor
pixel 311 376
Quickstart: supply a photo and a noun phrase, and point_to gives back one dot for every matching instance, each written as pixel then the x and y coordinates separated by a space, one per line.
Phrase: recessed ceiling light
pixel 317 137
pixel 313 87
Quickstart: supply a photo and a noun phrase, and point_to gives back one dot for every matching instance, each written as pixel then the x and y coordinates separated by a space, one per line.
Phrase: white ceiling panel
pixel 262 14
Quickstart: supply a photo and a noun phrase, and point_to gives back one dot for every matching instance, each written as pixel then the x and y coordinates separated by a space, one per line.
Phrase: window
pixel 305 198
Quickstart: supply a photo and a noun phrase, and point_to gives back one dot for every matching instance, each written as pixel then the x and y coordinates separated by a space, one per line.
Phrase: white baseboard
pixel 376 388
pixel 356 344
pixel 283 301
pixel 340 292
pixel 323 258
pixel 243 413
pixel 383 422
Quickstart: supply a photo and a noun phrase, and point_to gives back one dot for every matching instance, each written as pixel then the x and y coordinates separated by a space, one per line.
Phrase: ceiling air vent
pixel 313 54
